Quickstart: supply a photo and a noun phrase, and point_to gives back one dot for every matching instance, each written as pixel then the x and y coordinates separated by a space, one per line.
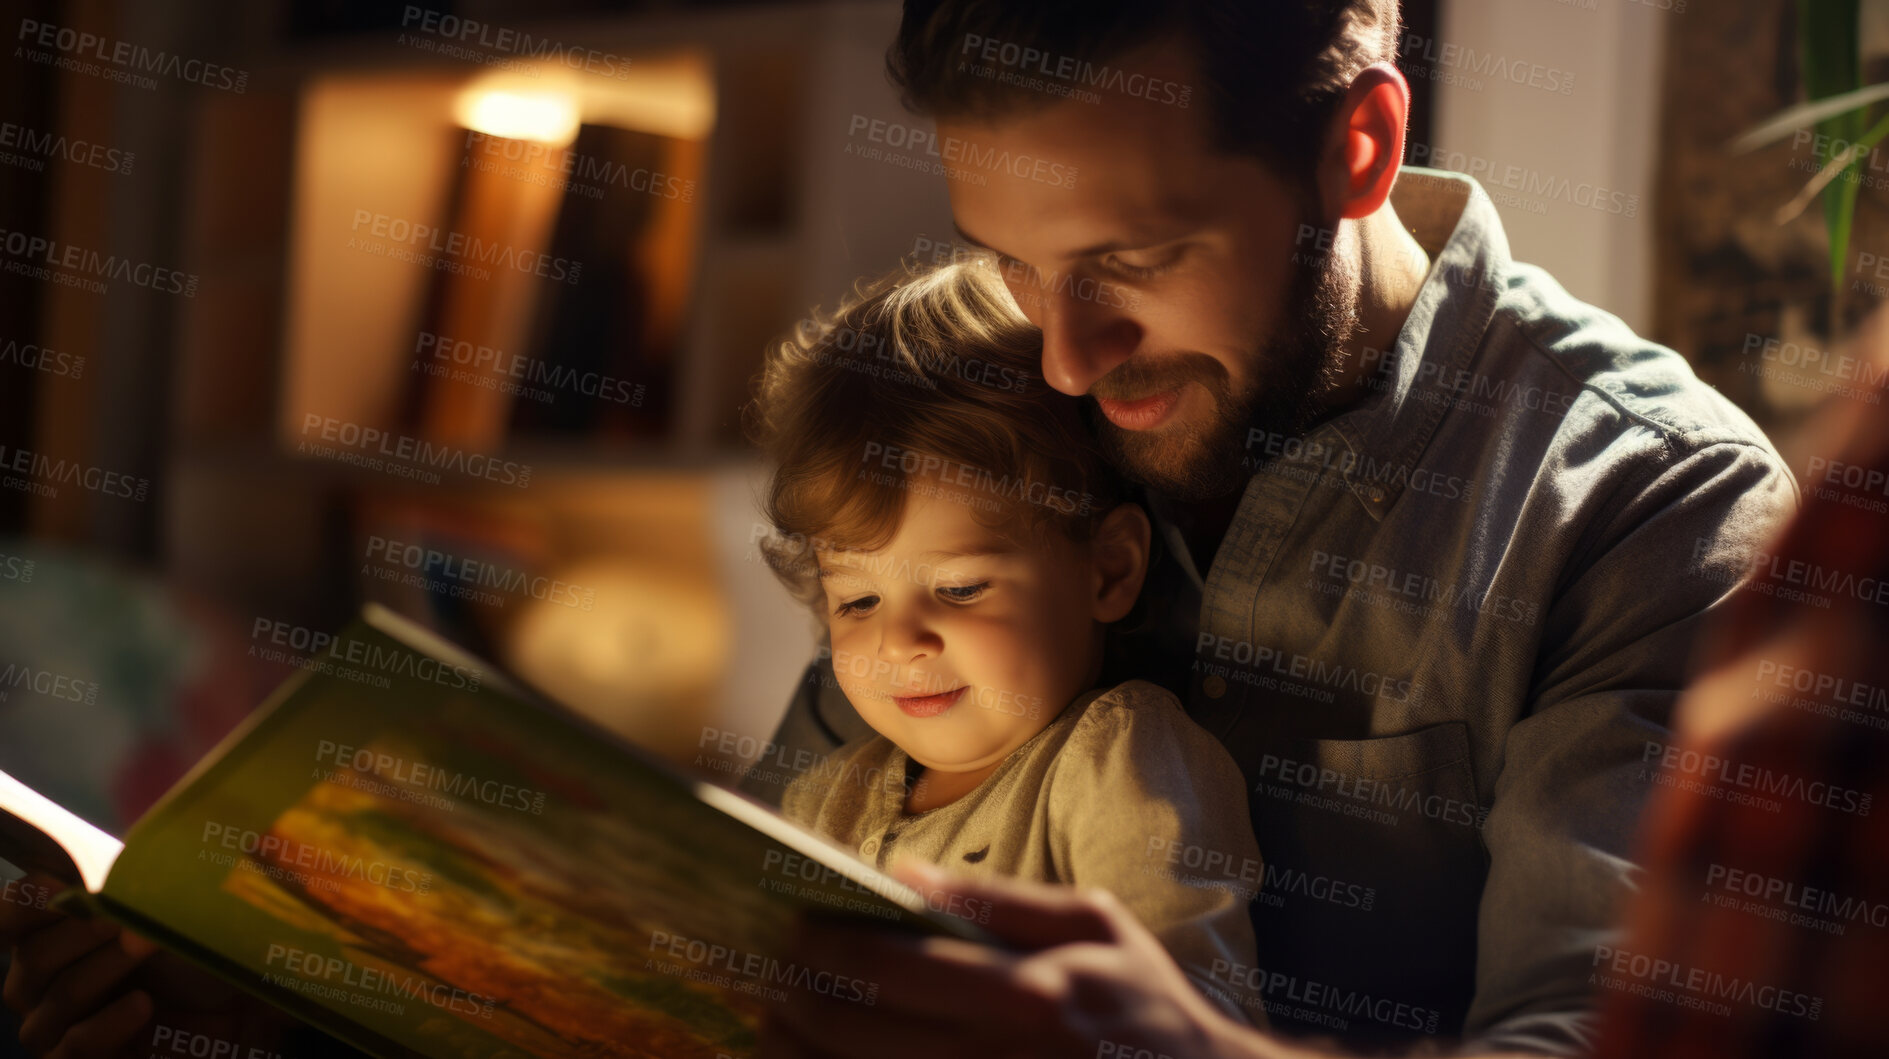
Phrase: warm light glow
pixel 644 661
pixel 541 116
pixel 670 96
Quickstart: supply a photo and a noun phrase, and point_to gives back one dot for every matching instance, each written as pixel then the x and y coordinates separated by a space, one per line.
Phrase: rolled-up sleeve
pixel 1618 648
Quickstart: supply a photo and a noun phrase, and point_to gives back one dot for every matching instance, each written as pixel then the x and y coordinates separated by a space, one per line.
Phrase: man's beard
pixel 1288 376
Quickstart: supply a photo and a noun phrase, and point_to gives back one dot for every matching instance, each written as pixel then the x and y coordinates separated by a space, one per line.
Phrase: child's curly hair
pixel 926 372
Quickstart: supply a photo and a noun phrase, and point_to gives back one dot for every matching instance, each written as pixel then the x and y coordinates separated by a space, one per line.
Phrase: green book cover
pixel 421 857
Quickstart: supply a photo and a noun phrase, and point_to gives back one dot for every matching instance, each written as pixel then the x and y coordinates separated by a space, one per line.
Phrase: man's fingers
pixel 74 994
pixel 27 907
pixel 108 1032
pixel 136 944
pixel 941 978
pixel 1027 915
pixel 39 957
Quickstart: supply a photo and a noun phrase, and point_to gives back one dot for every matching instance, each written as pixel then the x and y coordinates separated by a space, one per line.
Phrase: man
pixel 1439 538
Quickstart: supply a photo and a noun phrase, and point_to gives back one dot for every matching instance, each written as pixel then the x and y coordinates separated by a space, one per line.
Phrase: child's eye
pixel 855 607
pixel 964 593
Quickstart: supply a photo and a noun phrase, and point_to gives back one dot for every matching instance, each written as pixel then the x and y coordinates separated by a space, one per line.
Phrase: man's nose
pixel 1083 339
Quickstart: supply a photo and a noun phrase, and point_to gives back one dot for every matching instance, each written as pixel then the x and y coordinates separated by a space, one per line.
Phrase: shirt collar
pixel 1388 432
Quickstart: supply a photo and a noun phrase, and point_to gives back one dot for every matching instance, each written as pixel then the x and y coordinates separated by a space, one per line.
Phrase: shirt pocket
pixel 1374 866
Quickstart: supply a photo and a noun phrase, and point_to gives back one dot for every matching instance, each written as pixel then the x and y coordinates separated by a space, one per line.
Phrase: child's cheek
pixel 847 670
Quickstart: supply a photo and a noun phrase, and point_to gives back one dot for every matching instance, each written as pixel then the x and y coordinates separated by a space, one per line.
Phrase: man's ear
pixel 1366 146
pixel 1119 558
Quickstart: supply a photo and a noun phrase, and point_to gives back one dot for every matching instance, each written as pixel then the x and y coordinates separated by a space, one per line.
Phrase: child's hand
pixel 1083 977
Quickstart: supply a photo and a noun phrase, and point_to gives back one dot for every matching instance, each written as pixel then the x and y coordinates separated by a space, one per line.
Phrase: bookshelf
pixel 656 513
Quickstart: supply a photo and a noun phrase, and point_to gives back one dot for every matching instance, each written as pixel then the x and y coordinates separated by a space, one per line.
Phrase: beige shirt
pixel 1120 792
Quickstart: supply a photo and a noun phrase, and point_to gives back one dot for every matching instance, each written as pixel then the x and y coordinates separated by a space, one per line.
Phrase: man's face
pixel 1173 283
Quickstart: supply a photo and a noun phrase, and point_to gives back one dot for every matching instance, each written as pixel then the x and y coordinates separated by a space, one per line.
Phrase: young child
pixel 948 517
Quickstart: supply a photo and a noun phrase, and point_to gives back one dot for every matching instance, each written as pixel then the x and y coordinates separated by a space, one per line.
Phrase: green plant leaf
pixel 1792 118
pixel 1834 170
pixel 1830 37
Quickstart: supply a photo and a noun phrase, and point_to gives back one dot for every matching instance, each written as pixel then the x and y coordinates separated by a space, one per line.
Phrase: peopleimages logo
pixel 277 857
pixel 454 248
pixel 1204 866
pixel 444 356
pixel 53 145
pixel 460 31
pixel 359 985
pixel 752 971
pixel 1028 286
pixel 16 568
pixel 963 155
pixel 1341 575
pixel 1467 67
pixel 771 762
pixel 576 172
pixel 347 657
pixel 128 60
pixel 170 1040
pixel 1696 986
pixel 42 475
pixel 1265 449
pixel 1810 906
pixel 372 448
pixel 38 257
pixel 1021 61
pixel 1329 676
pixel 1824 685
pixel 476 573
pixel 21 892
pixel 911 464
pixel 1400 801
pixel 1531 185
pixel 17 677
pixel 1811 368
pixel 419 776
pixel 849 348
pixel 1730 780
pixel 1319 1002
pixel 39 358
pixel 1773 575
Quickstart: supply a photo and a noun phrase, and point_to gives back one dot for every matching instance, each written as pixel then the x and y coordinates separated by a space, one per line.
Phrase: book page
pixel 404 841
pixel 77 853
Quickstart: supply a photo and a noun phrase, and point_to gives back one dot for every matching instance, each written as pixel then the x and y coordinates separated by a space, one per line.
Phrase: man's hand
pixel 86 988
pixel 66 976
pixel 1082 979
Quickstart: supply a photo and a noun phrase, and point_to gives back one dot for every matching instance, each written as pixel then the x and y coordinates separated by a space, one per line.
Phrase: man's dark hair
pixel 1271 72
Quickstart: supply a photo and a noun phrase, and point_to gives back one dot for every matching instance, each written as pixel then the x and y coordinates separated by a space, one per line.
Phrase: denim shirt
pixel 1438 637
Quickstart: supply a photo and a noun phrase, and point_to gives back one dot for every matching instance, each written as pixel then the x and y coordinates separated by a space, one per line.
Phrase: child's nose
pixel 907 640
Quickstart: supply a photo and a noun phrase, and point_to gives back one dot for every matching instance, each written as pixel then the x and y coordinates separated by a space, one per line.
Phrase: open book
pixel 419 856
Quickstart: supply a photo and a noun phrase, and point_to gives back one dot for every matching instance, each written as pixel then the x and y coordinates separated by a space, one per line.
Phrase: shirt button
pixel 869 847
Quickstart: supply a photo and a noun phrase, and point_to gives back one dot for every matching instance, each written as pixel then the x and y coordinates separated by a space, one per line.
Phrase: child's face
pixel 955 642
